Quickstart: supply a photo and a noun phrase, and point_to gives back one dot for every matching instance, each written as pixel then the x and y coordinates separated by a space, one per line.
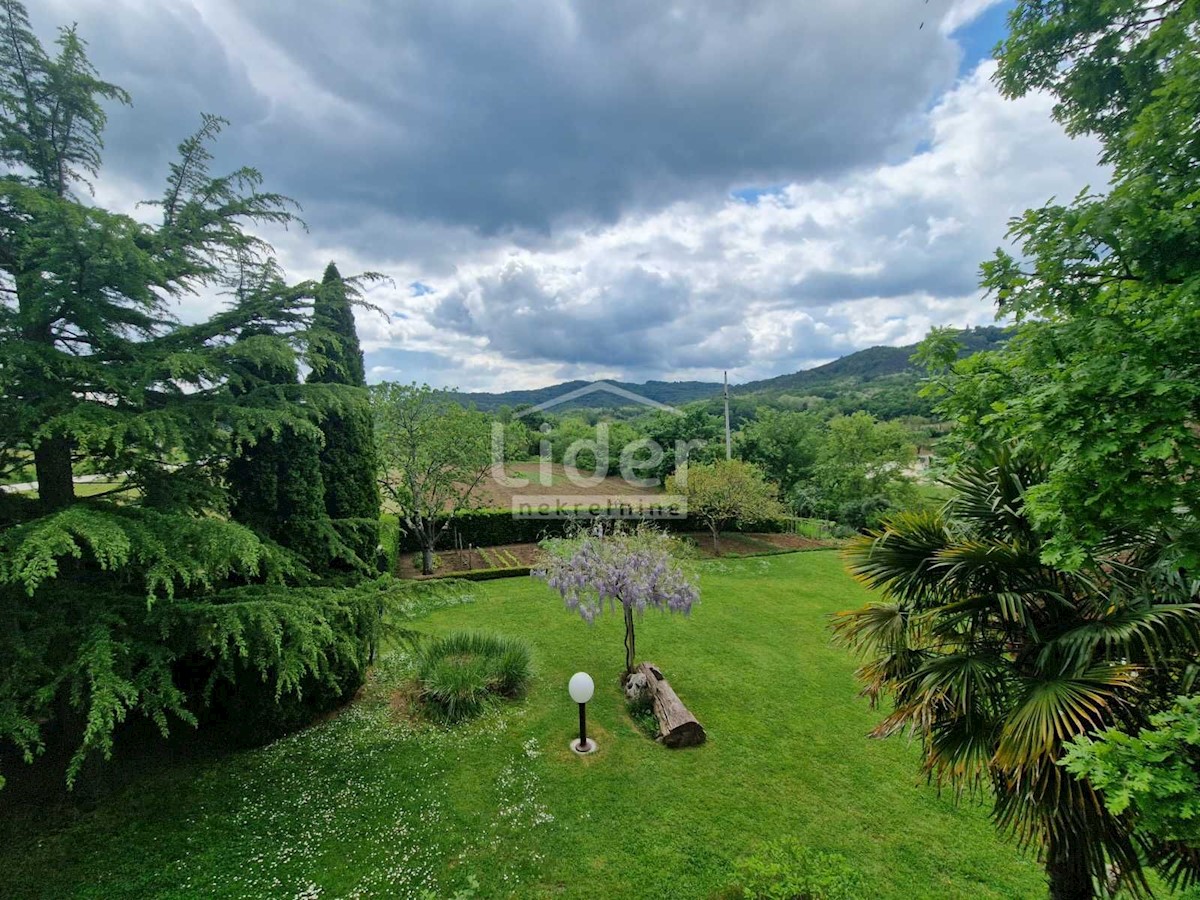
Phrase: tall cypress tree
pixel 348 459
pixel 275 480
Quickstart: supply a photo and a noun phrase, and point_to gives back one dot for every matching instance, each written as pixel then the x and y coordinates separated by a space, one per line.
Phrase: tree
pixel 1103 377
pixel 783 444
pixel 693 437
pixel 723 493
pixel 636 570
pixel 275 480
pixel 860 470
pixel 87 329
pixel 1154 777
pixel 146 600
pixel 348 457
pixel 995 659
pixel 433 455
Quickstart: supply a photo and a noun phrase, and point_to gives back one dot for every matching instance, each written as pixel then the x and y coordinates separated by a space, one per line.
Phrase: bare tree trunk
pixel 630 646
pixel 716 543
pixel 52 461
pixel 427 560
pixel 1068 873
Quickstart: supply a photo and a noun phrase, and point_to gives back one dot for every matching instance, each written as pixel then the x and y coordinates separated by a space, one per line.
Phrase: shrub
pixel 461 672
pixel 787 870
pixel 496 527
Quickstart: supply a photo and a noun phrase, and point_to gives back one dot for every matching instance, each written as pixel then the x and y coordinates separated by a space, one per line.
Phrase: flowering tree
pixel 638 570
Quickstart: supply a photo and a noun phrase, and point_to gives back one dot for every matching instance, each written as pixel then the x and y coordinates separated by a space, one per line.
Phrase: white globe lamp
pixel 581 687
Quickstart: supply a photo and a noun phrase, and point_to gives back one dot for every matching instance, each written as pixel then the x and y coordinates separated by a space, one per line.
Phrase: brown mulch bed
pixel 451 561
pixel 525 555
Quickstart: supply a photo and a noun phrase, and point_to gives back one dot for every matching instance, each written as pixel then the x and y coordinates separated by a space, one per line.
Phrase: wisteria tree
pixel 636 570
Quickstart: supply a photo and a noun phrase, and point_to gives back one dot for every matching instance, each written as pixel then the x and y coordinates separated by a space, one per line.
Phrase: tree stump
pixel 677 727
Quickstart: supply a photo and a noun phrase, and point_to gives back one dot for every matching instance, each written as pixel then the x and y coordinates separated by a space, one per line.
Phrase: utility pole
pixel 728 436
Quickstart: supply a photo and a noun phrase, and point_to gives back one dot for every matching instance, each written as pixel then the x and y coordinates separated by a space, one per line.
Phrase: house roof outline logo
pixel 595 387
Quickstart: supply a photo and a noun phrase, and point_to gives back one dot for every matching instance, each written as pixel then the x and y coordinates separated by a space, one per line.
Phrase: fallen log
pixel 677 727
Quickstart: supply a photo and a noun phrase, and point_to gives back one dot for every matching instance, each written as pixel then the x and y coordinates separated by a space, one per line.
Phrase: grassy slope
pixel 363 803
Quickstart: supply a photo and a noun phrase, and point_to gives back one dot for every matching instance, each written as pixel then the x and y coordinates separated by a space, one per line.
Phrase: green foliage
pixel 995 659
pixel 597 446
pixel 152 606
pixel 460 672
pixel 156 554
pixel 470 892
pixel 783 444
pixel 641 711
pixel 53 112
pixel 494 527
pixel 1103 378
pixel 860 472
pixel 724 493
pixel 349 465
pixel 1102 61
pixel 786 870
pixel 1154 775
pixel 275 482
pixel 433 454
pixel 696 436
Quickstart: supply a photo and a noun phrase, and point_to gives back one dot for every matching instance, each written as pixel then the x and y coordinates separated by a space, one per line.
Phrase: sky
pixel 565 189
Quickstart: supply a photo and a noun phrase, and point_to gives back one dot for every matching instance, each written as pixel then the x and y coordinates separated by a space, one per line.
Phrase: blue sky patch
pixel 979 38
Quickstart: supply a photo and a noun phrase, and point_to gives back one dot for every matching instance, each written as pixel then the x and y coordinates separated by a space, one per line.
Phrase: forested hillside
pixel 881 380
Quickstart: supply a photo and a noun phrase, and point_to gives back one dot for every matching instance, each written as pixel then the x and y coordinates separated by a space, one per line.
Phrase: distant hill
pixel 670 392
pixel 869 364
pixel 851 372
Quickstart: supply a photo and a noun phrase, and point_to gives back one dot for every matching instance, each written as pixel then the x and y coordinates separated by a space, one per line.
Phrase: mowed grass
pixel 375 803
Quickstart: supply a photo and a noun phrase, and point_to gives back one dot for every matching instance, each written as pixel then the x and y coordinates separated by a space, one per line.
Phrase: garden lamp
pixel 581 689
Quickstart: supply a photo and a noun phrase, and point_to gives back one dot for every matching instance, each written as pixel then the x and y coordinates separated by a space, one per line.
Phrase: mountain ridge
pixel 861 366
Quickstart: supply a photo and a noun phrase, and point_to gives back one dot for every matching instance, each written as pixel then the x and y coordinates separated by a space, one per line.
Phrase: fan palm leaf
pixel 994 659
pixel 1050 710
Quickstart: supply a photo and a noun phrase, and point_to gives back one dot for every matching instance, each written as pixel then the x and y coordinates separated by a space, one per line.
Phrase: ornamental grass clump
pixel 460 673
pixel 636 570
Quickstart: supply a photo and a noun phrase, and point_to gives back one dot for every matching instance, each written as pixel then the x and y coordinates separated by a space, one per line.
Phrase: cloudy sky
pixel 603 188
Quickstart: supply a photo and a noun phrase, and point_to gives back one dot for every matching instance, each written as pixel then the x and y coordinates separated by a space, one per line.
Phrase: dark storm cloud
pixel 899 275
pixel 590 188
pixel 173 67
pixel 637 317
pixel 522 114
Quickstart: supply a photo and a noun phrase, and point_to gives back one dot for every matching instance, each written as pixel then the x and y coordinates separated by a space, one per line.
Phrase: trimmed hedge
pixel 488 574
pixel 494 527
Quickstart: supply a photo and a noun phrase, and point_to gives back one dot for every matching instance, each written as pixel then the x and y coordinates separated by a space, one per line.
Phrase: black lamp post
pixel 581 689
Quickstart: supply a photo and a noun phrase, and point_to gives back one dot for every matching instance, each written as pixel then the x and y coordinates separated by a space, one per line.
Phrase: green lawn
pixel 372 804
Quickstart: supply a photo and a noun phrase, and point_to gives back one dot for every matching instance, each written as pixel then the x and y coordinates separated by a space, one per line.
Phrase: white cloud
pixel 803 275
pixel 558 171
pixel 964 12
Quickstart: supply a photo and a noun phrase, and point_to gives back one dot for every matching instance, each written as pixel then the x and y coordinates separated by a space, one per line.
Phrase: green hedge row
pixel 490 574
pixel 494 527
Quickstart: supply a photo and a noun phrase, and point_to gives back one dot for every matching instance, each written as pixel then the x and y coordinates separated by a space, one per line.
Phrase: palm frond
pixel 876 628
pixel 1053 709
pixel 959 752
pixel 969 685
pixel 1151 633
pixel 901 558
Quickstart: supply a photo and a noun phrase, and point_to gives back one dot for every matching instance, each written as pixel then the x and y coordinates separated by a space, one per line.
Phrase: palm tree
pixel 994 659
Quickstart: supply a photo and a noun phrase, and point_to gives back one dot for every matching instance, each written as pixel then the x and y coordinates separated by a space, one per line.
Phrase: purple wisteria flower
pixel 637 570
